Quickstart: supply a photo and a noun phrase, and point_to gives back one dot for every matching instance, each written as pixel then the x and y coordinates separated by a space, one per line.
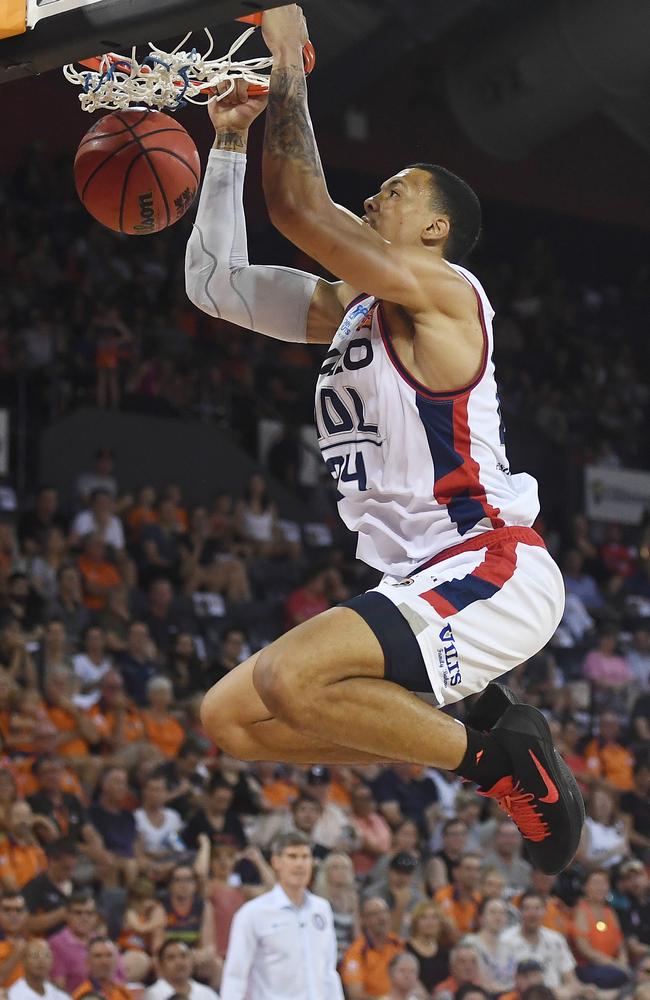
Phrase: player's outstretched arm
pixel 279 302
pixel 298 200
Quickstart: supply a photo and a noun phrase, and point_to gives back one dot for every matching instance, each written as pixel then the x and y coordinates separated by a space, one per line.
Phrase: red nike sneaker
pixel 540 794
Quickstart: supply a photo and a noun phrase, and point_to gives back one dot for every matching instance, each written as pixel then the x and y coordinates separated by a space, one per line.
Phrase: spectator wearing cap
pixel 527 973
pixel 403 973
pixel 13 941
pixel 634 914
pixel 372 830
pixel 70 945
pixel 459 901
pixel 506 857
pixel 597 937
pixel 464 969
pixel 534 941
pixel 497 957
pixel 364 969
pixel 174 965
pixel 401 889
pixel 47 895
pixel 333 829
pixel 635 809
pixel 101 958
pixel 282 944
pixel 35 982
pixel 427 932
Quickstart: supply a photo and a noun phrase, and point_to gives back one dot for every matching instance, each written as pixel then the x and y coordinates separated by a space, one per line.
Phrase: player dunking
pixel 409 425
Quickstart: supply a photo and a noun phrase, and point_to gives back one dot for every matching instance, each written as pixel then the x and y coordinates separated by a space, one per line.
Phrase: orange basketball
pixel 137 172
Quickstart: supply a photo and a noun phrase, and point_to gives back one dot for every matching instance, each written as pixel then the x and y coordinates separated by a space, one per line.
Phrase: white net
pixel 164 81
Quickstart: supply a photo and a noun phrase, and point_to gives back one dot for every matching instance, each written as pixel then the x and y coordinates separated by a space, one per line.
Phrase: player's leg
pixel 239 722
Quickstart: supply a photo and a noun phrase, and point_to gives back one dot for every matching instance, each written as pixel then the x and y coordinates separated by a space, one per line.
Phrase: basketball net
pixel 165 81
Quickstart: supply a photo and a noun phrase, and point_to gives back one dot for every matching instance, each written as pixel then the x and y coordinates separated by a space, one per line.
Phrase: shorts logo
pixel 448 658
pixel 406 582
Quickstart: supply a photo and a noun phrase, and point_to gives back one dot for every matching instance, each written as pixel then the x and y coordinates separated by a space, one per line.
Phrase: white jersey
pixel 417 471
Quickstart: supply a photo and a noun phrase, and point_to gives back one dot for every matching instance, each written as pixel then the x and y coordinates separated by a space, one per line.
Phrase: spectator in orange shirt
pixel 459 901
pixel 364 970
pixel 76 732
pixel 608 759
pixel 556 916
pixel 98 575
pixel 13 917
pixel 597 937
pixel 21 856
pixel 102 965
pixel 143 513
pixel 160 726
pixel 118 723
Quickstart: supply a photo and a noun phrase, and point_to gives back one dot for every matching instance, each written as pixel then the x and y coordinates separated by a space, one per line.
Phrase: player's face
pixel 402 208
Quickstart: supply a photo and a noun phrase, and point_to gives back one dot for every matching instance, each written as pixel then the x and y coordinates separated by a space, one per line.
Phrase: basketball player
pixel 409 426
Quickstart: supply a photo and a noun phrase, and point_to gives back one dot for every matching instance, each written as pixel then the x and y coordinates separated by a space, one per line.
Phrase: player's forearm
pixel 292 172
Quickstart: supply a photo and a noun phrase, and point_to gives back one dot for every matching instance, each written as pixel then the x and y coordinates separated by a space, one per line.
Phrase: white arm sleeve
pixel 218 278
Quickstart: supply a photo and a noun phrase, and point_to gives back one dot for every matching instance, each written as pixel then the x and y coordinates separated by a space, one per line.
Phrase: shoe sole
pixel 535 725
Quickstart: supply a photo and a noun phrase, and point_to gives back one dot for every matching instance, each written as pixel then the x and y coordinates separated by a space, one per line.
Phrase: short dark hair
pixel 468 988
pixel 79 898
pixel 291 839
pixel 304 797
pixel 166 945
pixel 455 197
pixel 64 847
pixel 530 894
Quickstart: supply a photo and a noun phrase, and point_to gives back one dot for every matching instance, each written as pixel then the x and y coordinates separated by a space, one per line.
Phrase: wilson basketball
pixel 137 172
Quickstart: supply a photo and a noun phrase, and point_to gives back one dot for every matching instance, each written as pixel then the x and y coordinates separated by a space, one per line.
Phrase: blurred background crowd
pixel 127 839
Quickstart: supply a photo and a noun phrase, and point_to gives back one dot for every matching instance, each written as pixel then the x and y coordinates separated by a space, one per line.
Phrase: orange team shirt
pixel 105 722
pixel 557 916
pixel 604 933
pixel 103 574
pixel 28 782
pixel 6 949
pixel 167 735
pixel 21 862
pixel 279 794
pixel 463 912
pixel 140 517
pixel 367 967
pixel 65 723
pixel 112 992
pixel 612 762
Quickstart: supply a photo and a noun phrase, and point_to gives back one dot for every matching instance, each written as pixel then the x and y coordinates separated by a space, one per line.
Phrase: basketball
pixel 137 172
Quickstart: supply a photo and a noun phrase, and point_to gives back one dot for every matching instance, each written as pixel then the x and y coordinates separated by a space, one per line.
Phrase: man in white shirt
pixel 540 944
pixel 34 985
pixel 282 944
pixel 99 518
pixel 175 968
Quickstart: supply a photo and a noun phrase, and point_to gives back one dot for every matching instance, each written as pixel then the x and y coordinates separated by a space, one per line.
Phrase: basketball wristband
pixel 218 278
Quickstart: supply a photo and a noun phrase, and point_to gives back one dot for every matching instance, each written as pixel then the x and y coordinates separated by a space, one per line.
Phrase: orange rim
pixel 308 57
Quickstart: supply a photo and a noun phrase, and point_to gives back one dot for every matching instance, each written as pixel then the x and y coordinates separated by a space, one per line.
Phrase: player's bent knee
pixel 279 687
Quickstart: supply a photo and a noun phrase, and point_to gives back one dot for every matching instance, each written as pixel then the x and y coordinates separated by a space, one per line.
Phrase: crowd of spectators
pixel 128 841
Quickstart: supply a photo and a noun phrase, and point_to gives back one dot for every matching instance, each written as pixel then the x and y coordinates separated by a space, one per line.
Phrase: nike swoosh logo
pixel 553 794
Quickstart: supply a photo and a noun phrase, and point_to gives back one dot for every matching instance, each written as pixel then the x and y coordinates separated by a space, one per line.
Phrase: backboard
pixel 39 35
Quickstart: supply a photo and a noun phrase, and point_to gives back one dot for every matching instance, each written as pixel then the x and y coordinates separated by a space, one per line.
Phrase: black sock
pixel 484 761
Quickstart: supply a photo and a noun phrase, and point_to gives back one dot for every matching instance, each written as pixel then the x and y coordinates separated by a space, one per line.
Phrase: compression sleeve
pixel 218 278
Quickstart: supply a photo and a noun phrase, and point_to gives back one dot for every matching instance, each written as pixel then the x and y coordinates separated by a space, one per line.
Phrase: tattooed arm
pixel 298 200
